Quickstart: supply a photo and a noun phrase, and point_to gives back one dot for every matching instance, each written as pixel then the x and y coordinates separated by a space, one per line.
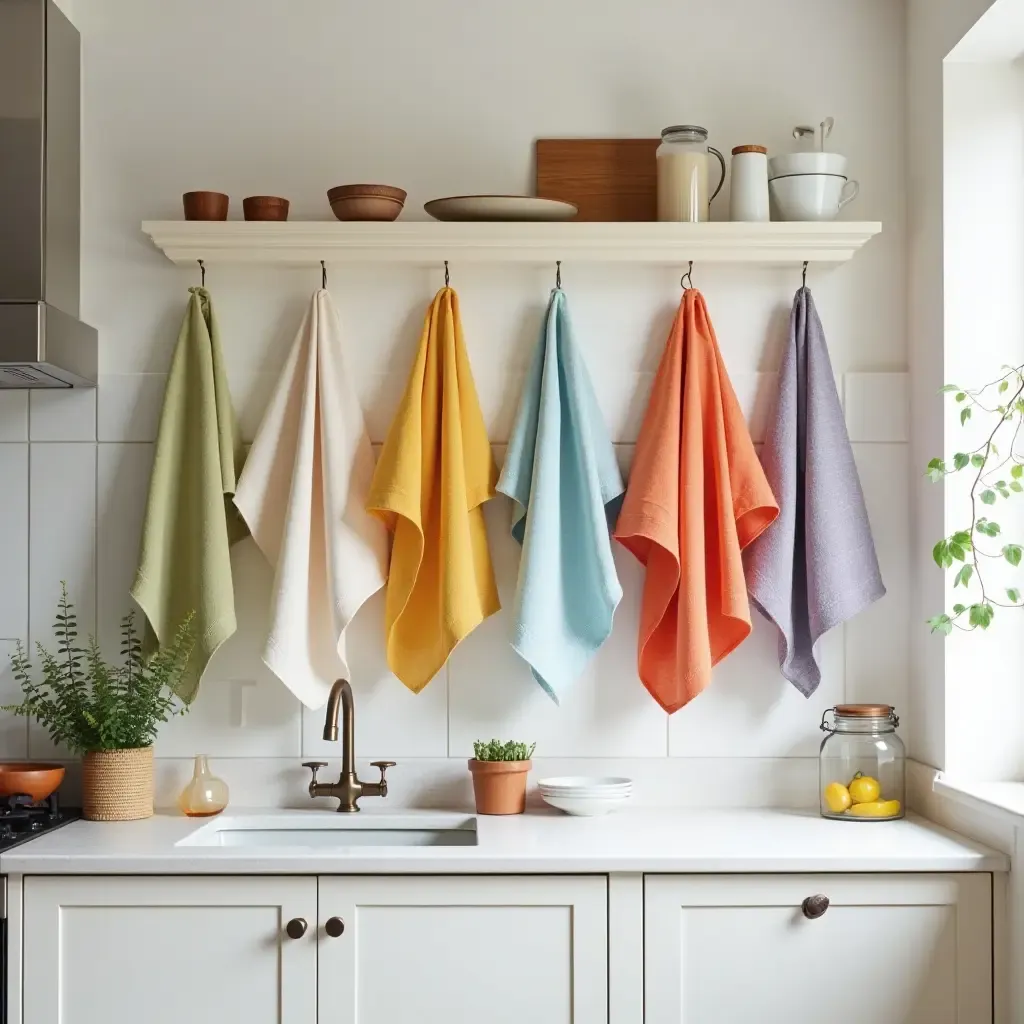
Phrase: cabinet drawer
pixel 889 949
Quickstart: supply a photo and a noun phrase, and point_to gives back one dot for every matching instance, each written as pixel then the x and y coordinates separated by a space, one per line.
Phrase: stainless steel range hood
pixel 43 344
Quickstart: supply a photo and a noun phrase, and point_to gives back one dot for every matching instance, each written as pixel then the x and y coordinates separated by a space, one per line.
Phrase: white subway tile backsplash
pixel 128 406
pixel 62 546
pixel 14 515
pixel 122 475
pixel 878 640
pixel 13 415
pixel 606 714
pixel 391 720
pixel 62 414
pixel 242 710
pixel 13 730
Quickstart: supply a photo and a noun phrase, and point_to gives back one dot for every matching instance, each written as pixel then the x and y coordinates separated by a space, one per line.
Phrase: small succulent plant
pixel 495 750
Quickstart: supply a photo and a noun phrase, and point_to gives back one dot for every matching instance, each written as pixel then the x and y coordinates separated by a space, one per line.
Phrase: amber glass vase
pixel 205 794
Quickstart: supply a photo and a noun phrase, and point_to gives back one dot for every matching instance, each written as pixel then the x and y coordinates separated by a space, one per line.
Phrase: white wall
pixel 446 98
pixel 934 28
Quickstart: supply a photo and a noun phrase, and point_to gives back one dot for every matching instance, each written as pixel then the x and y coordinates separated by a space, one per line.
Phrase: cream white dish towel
pixel 303 496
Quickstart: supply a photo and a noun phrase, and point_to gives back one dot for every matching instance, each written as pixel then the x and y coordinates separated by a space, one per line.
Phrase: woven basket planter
pixel 117 785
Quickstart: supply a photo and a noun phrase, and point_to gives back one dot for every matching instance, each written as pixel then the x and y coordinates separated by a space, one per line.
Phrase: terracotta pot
pixel 35 780
pixel 205 205
pixel 499 786
pixel 265 208
pixel 117 785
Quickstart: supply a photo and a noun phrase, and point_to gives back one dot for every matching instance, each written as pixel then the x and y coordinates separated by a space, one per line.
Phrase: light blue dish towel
pixel 560 471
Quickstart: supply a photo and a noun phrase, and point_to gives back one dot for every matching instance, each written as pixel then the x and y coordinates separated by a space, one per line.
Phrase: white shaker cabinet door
pixel 889 949
pixel 450 950
pixel 127 950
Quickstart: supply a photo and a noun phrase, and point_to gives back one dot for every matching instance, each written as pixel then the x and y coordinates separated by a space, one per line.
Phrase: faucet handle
pixel 314 767
pixel 383 766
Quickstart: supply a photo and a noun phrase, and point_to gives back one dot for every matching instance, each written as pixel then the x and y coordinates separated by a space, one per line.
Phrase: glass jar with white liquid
pixel 684 157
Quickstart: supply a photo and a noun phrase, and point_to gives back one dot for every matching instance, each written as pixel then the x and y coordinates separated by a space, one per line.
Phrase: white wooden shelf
pixel 430 242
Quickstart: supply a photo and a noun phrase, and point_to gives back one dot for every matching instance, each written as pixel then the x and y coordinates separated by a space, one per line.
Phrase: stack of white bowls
pixel 585 796
pixel 809 186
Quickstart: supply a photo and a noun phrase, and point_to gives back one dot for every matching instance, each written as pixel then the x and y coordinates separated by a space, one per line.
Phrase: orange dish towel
pixel 696 497
pixel 435 472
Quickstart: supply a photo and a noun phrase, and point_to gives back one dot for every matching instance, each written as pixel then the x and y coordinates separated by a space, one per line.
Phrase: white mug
pixel 811 196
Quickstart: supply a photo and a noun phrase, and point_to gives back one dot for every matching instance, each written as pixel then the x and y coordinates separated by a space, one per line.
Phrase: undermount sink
pixel 321 830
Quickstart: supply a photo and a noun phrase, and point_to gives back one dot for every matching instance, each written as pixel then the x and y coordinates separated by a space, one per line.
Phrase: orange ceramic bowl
pixel 35 780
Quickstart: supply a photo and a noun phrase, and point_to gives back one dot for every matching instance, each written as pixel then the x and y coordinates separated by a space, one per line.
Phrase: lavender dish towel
pixel 815 567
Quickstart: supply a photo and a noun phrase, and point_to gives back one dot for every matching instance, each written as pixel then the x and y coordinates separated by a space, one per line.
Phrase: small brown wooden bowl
pixel 265 208
pixel 35 780
pixel 205 205
pixel 366 202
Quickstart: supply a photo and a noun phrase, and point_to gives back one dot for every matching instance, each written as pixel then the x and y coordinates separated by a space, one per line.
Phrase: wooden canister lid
pixel 864 710
pixel 749 149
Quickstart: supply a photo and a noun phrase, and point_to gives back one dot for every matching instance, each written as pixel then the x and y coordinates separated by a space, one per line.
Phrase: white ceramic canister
pixel 748 200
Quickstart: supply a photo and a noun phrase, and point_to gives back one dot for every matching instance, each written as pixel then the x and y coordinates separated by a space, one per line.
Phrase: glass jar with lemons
pixel 862 764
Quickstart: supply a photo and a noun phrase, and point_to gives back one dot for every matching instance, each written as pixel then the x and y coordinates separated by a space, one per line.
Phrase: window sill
pixel 1004 800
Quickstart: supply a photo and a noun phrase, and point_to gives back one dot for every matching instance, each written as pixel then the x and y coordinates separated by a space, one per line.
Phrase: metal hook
pixel 323 275
pixel 202 274
pixel 686 281
pixel 558 274
pixel 446 278
pixel 805 274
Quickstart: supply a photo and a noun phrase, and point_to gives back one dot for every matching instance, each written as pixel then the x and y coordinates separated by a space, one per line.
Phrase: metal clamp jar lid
pixel 850 717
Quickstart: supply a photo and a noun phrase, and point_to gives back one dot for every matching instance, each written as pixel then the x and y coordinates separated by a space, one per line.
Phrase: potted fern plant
pixel 108 714
pixel 499 776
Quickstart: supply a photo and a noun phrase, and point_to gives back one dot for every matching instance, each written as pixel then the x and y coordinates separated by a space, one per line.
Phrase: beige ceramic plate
pixel 499 208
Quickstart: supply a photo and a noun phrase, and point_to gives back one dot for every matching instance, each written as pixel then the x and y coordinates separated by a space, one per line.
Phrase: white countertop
pixel 641 840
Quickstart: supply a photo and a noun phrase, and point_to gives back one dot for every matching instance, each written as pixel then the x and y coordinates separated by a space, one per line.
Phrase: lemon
pixel 837 797
pixel 875 809
pixel 864 789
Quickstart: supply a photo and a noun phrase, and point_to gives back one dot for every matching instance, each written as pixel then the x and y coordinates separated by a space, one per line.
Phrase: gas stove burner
pixel 22 818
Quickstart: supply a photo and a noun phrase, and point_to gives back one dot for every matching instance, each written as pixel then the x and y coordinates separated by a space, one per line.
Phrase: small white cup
pixel 802 197
pixel 806 163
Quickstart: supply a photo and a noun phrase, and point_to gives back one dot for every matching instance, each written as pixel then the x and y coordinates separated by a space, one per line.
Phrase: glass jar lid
pixel 863 710
pixel 684 133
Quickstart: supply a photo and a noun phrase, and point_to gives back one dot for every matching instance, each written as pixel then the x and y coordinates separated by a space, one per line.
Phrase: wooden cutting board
pixel 608 179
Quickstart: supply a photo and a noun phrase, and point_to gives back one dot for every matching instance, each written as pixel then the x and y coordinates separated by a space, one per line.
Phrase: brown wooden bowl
pixel 34 779
pixel 205 205
pixel 366 202
pixel 265 208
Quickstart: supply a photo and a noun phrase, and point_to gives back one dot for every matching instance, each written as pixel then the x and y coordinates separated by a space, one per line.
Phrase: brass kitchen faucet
pixel 348 789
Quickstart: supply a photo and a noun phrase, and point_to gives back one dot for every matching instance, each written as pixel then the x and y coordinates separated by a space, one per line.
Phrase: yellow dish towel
pixel 435 472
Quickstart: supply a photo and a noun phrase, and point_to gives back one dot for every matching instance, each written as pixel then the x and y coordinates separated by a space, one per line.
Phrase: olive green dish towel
pixel 191 522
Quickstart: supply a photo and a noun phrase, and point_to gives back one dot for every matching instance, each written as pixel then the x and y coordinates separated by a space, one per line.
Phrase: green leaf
pixel 1016 486
pixel 1004 386
pixel 957 552
pixel 1013 594
pixel 992 449
pixel 959 609
pixel 948 387
pixel 965 415
pixel 960 397
pixel 940 554
pixel 988 497
pixel 1017 472
pixel 941 624
pixel 961 537
pixel 987 527
pixel 963 577
pixel 1012 553
pixel 981 615
pixel 935 470
pixel 977 461
pixel 961 460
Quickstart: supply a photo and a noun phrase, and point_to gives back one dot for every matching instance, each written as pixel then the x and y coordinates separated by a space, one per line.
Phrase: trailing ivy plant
pixel 495 750
pixel 87 705
pixel 996 469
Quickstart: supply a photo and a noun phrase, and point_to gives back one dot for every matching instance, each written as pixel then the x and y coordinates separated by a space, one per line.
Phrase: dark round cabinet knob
pixel 296 927
pixel 334 927
pixel 814 906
